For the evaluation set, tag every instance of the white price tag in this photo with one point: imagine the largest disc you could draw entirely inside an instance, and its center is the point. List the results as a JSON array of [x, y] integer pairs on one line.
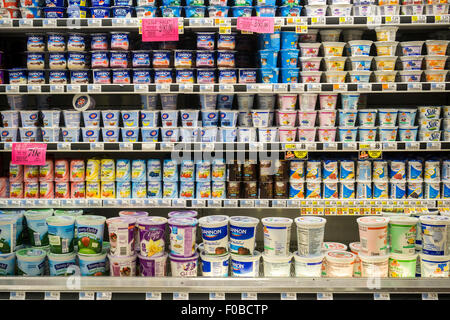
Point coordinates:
[[324, 296], [181, 203], [19, 295], [351, 146], [418, 19], [288, 296], [392, 19], [63, 146], [297, 87], [104, 295], [73, 88], [433, 145], [317, 21], [252, 88], [389, 146], [216, 296], [94, 88], [126, 146], [148, 146], [199, 203], [364, 87], [249, 296], [207, 22], [26, 23], [226, 88], [346, 20], [261, 203], [280, 87], [214, 203], [52, 295], [56, 88], [94, 22], [230, 203], [164, 203], [247, 203], [163, 87], [180, 296], [374, 20], [186, 87], [430, 296], [279, 203], [87, 295], [97, 146], [412, 145], [381, 296], [49, 23], [293, 203], [11, 88], [6, 23], [167, 146], [389, 86], [206, 88], [440, 86], [265, 88], [34, 88], [118, 22], [414, 87], [153, 296], [339, 87], [278, 21], [314, 87], [195, 22], [330, 146], [140, 88]]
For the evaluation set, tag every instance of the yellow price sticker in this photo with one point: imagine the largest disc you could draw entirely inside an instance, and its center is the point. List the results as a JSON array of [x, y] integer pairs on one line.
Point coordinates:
[[301, 154], [277, 28], [375, 154], [314, 19], [301, 29], [225, 30], [290, 146], [437, 18], [140, 30], [364, 146], [388, 19]]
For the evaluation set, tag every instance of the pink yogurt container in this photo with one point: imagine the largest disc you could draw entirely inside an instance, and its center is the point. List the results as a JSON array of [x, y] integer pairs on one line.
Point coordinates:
[[310, 76], [287, 134], [307, 134], [287, 102], [327, 118], [310, 63], [308, 101], [328, 101], [286, 118], [309, 49], [327, 134], [307, 118]]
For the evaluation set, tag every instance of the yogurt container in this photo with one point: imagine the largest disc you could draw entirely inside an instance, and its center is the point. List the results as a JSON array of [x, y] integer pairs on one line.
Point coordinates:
[[121, 236], [215, 265], [333, 49], [310, 233], [309, 49], [360, 47], [412, 48], [335, 64], [339, 263], [385, 63], [62, 264], [373, 235], [386, 33], [122, 266], [435, 62], [145, 11], [434, 231], [182, 236], [402, 234], [386, 48], [31, 262], [361, 63], [316, 10], [214, 234], [434, 266], [61, 234], [402, 266], [436, 47], [90, 234], [277, 266], [245, 265], [435, 75], [184, 266], [308, 266], [93, 264], [242, 234], [412, 62], [152, 266], [374, 266], [8, 228], [277, 234], [37, 226], [29, 118]]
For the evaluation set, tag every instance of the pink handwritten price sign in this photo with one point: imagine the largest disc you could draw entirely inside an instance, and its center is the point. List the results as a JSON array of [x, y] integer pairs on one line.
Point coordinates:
[[29, 153], [255, 24], [160, 29]]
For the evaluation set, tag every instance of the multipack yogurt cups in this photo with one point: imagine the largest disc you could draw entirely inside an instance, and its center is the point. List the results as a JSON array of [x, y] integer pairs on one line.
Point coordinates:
[[310, 50], [412, 62], [334, 64], [436, 47], [310, 63], [333, 49]]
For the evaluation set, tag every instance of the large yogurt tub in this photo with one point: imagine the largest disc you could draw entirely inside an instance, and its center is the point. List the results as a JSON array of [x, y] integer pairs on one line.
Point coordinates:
[[402, 266], [434, 232], [31, 262], [184, 266], [374, 266], [215, 265], [93, 264], [245, 265], [333, 246], [277, 236], [432, 266], [62, 264], [37, 226], [310, 234], [8, 264], [122, 266], [214, 234], [61, 232], [242, 234], [90, 233], [308, 266], [277, 266], [182, 236], [153, 266], [339, 264], [355, 247], [373, 235]]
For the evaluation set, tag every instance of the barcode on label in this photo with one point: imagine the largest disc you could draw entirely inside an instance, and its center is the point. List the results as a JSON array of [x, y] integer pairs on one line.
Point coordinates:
[[363, 243], [37, 239], [123, 251]]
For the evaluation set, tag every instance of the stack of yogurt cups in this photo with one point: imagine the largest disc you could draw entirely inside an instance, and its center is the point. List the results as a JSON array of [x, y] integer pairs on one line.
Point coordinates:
[[214, 250], [183, 254], [429, 123]]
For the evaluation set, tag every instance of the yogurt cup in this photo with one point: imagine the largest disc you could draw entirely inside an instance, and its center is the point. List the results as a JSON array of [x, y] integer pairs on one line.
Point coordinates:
[[310, 76], [286, 102], [360, 47], [90, 234], [93, 264], [214, 234], [347, 134], [308, 266], [402, 234], [10, 118], [8, 227], [386, 33], [154, 266], [435, 62], [402, 266], [277, 266], [261, 117], [310, 63], [242, 235], [208, 134], [412, 62], [387, 117], [434, 231], [436, 47], [90, 134], [169, 134], [388, 10], [287, 118], [72, 118], [316, 10], [307, 101], [268, 135], [349, 101], [215, 265], [434, 266], [385, 63], [29, 119], [61, 234], [386, 48], [340, 10], [269, 41], [218, 11], [37, 226], [385, 76], [364, 10], [326, 134], [412, 48], [310, 50], [410, 75], [335, 76], [245, 265], [327, 118], [347, 118], [31, 262], [388, 133], [184, 266], [310, 233], [336, 64], [122, 266], [307, 118], [373, 235], [277, 234], [435, 75], [339, 263], [374, 266], [182, 236], [91, 118], [333, 49], [121, 236], [50, 118], [266, 101], [70, 134], [9, 134], [361, 63], [62, 264], [332, 35]]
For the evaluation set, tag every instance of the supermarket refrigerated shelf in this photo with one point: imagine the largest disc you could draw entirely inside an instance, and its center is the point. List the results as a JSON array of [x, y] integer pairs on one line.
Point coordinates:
[[394, 87], [227, 285], [211, 23], [329, 206], [260, 147]]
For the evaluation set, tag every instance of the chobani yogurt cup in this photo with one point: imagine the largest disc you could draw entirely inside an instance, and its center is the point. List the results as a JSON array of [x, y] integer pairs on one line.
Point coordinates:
[[122, 266], [184, 266], [434, 230], [373, 235], [93, 264], [402, 265], [245, 265], [277, 235], [242, 234], [90, 234], [214, 234], [37, 226], [154, 266], [432, 266], [339, 263], [215, 265], [31, 262], [309, 266], [374, 266], [61, 231], [310, 233], [182, 236], [62, 264]]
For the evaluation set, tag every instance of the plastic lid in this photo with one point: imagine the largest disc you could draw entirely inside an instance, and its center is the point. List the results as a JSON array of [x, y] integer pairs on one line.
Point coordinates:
[[399, 256], [61, 257], [277, 259], [334, 44], [277, 221], [244, 221], [91, 220], [311, 222], [434, 220], [213, 221], [31, 252], [129, 220], [355, 247], [403, 220], [340, 256], [209, 257], [246, 258], [373, 221], [358, 42], [310, 44], [183, 221], [195, 256], [186, 213], [407, 58], [333, 246], [308, 259], [133, 213], [433, 258], [60, 220], [154, 220], [411, 43], [373, 259]]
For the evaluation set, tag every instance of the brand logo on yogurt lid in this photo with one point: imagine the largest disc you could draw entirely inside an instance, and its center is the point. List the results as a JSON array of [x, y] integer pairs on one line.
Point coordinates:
[[29, 133]]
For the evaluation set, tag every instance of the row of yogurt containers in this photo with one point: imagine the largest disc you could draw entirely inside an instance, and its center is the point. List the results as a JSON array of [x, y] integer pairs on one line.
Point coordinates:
[[189, 190], [224, 134]]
